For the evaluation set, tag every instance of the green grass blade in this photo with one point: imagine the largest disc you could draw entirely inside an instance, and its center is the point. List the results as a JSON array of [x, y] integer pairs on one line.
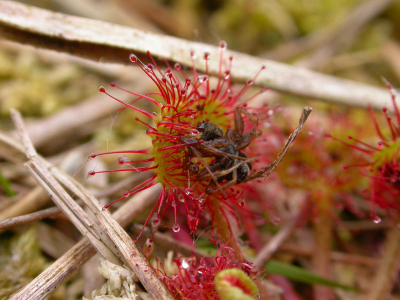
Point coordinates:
[[299, 274]]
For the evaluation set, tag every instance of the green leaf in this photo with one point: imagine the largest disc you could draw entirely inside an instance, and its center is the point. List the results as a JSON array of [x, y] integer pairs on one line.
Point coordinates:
[[5, 184], [302, 275]]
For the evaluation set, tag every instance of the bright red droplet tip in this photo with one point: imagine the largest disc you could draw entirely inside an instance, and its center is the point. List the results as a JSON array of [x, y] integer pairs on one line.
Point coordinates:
[[133, 58]]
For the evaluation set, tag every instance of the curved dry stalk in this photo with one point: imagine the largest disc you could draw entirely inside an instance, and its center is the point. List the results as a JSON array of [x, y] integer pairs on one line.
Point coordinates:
[[32, 201], [101, 41], [65, 266], [165, 241], [386, 274], [346, 32], [109, 239], [65, 121], [28, 218], [284, 233], [351, 259], [268, 170], [321, 260]]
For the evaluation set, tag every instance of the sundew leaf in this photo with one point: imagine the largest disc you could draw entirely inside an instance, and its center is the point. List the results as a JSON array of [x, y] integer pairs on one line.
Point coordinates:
[[6, 186], [302, 275]]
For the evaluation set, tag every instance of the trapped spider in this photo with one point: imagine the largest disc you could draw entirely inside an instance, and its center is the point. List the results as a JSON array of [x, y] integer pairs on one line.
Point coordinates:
[[230, 166]]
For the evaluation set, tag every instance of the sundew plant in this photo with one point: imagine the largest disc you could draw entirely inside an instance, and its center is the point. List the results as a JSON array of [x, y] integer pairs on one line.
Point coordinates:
[[200, 136], [269, 170]]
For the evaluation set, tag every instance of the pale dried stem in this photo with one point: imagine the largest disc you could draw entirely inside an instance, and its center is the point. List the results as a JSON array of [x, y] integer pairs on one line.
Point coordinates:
[[273, 245], [55, 126], [87, 38], [65, 266], [391, 53], [345, 33], [91, 276], [153, 11], [23, 206], [361, 225], [321, 260], [335, 256], [268, 170], [284, 233], [385, 276], [343, 29], [71, 209], [165, 241], [52, 241], [131, 254], [11, 150], [109, 11], [113, 243], [34, 200]]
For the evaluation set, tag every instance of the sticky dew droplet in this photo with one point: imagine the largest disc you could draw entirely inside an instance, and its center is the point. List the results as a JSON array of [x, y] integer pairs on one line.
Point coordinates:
[[276, 220], [123, 160], [185, 265], [176, 228], [203, 78], [223, 45], [376, 219], [181, 198], [156, 220], [199, 198], [227, 74], [133, 58]]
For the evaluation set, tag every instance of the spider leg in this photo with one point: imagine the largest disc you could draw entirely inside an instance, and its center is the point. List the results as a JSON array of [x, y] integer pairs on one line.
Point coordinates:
[[252, 117], [210, 189], [218, 174], [205, 165], [220, 153], [243, 140], [268, 170]]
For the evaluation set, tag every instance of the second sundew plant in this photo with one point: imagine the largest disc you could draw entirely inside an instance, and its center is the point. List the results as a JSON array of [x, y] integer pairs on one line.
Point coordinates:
[[381, 162], [225, 276], [187, 108]]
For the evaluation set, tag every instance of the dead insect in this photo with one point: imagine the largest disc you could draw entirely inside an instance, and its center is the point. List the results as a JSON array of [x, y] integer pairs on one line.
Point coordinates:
[[230, 164]]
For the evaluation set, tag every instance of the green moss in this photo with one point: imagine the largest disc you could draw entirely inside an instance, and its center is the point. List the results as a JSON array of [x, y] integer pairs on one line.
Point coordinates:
[[38, 89], [20, 262]]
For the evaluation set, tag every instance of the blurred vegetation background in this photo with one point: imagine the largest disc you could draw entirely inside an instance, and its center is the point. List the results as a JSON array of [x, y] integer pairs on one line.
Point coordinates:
[[353, 39]]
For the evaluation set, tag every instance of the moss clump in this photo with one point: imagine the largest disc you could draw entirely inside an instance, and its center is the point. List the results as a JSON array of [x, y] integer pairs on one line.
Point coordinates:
[[20, 261]]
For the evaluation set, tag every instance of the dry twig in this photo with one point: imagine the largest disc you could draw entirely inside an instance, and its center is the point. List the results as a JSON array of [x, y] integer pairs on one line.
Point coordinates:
[[116, 244], [93, 39], [28, 218], [65, 266], [269, 249], [346, 33]]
